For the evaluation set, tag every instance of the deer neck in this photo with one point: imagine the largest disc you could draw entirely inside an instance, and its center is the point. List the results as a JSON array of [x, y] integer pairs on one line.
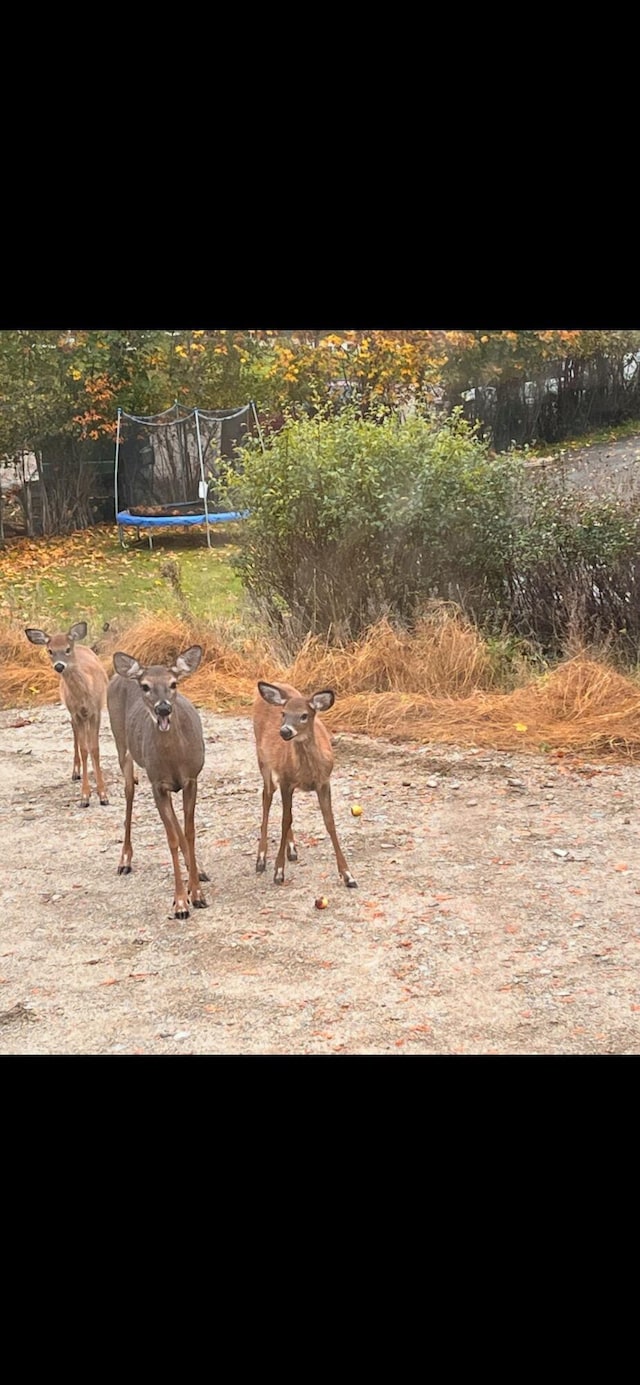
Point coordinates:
[[73, 684]]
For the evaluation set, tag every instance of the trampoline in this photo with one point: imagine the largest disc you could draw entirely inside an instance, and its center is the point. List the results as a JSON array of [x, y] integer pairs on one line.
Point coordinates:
[[167, 465]]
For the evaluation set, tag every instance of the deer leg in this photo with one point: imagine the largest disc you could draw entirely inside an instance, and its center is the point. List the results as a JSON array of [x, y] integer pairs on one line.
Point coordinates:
[[189, 793], [129, 789], [184, 847], [292, 850], [94, 749], [172, 828], [267, 798], [324, 799], [287, 802], [76, 755], [85, 794]]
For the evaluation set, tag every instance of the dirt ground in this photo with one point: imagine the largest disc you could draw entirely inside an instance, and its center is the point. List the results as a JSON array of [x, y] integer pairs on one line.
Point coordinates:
[[497, 908], [601, 469]]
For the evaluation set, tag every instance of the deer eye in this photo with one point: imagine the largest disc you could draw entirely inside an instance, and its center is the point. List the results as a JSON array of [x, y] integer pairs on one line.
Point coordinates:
[[68, 651], [173, 686], [305, 716], [145, 687]]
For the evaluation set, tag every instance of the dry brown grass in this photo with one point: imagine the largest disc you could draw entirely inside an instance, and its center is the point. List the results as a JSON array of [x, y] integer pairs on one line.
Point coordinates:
[[26, 675], [435, 685]]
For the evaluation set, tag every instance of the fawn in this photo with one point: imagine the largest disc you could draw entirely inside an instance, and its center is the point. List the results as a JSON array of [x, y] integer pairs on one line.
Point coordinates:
[[83, 690], [294, 752]]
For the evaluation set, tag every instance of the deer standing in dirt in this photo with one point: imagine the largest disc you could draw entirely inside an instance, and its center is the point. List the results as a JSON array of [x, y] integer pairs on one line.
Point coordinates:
[[159, 729], [294, 752], [83, 690]]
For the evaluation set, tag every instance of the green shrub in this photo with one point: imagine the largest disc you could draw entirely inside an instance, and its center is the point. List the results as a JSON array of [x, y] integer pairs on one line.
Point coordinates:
[[352, 519]]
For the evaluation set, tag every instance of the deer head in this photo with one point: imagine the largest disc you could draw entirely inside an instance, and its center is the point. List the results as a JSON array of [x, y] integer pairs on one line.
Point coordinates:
[[298, 713], [158, 683], [59, 647]]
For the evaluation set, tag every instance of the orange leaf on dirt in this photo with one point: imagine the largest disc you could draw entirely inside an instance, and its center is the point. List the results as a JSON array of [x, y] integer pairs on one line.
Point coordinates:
[[621, 866]]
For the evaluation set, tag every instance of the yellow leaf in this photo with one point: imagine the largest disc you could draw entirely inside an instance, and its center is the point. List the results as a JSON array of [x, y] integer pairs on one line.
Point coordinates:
[[520, 726]]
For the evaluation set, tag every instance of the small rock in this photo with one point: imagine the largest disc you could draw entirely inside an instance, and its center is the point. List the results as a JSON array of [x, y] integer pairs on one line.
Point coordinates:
[[182, 1034]]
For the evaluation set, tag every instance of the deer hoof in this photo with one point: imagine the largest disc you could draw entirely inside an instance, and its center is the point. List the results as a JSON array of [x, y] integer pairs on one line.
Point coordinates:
[[349, 881], [124, 870], [181, 913], [200, 903], [292, 853], [202, 875], [104, 801], [76, 775], [261, 865], [84, 802], [278, 878]]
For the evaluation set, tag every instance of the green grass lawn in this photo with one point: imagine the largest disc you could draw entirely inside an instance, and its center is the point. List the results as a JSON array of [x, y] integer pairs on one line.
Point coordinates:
[[88, 576]]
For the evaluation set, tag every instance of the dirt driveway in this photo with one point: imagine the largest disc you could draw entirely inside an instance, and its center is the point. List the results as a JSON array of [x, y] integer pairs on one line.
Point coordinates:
[[601, 469], [497, 909]]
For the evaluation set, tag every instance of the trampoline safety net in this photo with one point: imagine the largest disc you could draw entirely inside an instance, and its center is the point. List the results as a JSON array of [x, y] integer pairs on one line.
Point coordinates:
[[167, 465]]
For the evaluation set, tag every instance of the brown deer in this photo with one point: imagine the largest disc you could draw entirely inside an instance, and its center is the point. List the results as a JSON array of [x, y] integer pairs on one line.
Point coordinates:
[[83, 690], [159, 729], [294, 752]]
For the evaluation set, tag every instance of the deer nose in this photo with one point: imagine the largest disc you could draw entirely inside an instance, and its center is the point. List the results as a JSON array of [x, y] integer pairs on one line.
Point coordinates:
[[59, 667], [287, 733], [163, 709]]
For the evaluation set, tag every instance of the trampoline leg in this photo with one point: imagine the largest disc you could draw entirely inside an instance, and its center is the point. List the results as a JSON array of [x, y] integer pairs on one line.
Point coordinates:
[[150, 540], [120, 536]]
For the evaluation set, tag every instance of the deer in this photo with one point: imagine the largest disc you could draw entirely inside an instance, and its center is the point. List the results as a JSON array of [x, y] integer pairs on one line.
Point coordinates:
[[158, 729], [294, 752], [83, 691]]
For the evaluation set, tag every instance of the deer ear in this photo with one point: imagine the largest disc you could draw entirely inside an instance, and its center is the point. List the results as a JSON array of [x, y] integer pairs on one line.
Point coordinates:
[[126, 665], [322, 701], [37, 636], [188, 662], [78, 631], [272, 694]]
